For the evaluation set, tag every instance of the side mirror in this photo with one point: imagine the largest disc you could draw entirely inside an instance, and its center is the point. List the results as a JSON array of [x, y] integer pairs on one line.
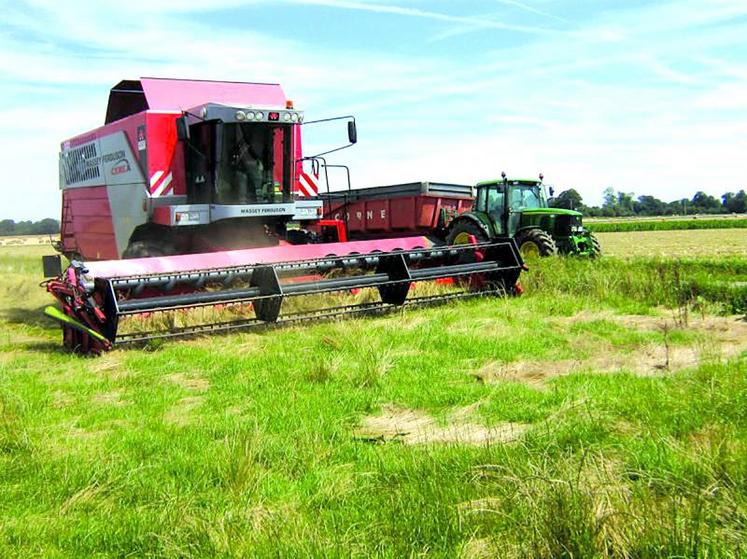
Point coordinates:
[[552, 191], [182, 129], [352, 132]]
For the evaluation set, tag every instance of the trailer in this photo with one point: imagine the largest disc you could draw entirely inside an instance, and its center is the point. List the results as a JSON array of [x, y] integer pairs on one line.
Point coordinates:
[[416, 208]]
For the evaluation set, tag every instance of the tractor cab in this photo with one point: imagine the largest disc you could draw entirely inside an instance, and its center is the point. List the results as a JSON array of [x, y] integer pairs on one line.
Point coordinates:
[[506, 201]]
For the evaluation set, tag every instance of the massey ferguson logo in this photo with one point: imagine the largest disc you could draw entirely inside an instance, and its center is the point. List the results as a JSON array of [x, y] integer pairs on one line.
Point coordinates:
[[121, 166]]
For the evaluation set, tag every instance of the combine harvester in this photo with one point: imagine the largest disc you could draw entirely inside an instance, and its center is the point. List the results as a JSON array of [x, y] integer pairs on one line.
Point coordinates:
[[194, 195]]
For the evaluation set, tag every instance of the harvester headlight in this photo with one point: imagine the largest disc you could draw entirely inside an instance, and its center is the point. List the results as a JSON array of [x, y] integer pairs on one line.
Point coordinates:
[[286, 117], [240, 115], [249, 115], [259, 116], [294, 117]]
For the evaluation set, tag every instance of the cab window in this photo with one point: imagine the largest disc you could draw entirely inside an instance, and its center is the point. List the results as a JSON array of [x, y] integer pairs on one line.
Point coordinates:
[[495, 203], [525, 197]]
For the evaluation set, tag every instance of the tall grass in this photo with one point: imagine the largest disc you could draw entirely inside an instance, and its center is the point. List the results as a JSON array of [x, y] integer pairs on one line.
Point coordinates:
[[650, 281], [246, 445]]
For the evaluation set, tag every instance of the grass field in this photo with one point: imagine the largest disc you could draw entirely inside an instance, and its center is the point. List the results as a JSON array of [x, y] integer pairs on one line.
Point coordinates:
[[602, 414], [676, 243]]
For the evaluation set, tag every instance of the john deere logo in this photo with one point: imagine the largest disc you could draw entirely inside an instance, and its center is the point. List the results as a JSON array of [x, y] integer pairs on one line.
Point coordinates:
[[121, 166]]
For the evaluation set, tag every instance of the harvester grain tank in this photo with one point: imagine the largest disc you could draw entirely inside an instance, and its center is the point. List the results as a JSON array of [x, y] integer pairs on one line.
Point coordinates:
[[193, 195]]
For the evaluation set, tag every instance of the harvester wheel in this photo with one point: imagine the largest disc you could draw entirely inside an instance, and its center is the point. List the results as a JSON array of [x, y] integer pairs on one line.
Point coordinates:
[[144, 249], [534, 243], [461, 232], [596, 248]]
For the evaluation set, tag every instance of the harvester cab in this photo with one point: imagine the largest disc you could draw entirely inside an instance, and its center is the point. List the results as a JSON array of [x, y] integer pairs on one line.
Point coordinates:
[[185, 166], [518, 208], [240, 165]]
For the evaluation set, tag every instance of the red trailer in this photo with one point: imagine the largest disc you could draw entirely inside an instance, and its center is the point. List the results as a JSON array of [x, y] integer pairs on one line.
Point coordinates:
[[418, 208]]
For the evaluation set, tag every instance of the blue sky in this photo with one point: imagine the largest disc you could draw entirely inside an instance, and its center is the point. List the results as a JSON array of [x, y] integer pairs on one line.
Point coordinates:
[[646, 97]]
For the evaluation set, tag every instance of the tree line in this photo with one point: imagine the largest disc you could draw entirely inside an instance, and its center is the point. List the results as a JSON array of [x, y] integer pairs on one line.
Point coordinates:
[[46, 226], [625, 204], [615, 204]]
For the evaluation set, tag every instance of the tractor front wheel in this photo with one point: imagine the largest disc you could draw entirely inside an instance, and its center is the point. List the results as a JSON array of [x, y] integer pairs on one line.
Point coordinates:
[[534, 243], [596, 248]]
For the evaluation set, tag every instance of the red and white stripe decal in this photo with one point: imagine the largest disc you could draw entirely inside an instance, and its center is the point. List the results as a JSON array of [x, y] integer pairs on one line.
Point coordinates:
[[308, 185], [160, 184]]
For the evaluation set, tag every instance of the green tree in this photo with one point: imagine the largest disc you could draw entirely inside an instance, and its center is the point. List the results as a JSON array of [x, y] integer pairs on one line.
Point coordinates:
[[649, 205], [569, 199], [7, 227], [609, 197], [44, 227], [625, 203], [735, 203], [705, 203]]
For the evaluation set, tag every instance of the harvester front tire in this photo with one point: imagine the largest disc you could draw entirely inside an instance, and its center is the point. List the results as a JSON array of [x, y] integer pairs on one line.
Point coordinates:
[[461, 232], [144, 249], [536, 242]]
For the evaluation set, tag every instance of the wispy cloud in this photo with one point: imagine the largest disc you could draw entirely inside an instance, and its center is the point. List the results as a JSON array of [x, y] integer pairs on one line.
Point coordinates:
[[426, 14], [530, 9]]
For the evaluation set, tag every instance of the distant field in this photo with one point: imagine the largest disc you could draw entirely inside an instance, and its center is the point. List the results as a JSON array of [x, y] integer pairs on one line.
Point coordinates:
[[675, 244], [693, 217], [26, 240], [667, 224]]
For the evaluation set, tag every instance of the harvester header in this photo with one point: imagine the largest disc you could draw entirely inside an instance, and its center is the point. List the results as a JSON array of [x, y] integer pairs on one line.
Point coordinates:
[[103, 306]]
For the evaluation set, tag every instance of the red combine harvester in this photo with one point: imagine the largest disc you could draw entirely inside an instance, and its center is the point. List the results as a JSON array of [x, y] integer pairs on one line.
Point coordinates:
[[194, 194]]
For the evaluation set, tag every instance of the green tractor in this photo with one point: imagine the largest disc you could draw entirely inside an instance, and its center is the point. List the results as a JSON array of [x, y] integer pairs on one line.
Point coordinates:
[[518, 208]]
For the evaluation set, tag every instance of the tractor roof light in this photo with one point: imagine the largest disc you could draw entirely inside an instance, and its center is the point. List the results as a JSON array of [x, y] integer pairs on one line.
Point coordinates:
[[295, 117], [241, 115], [287, 117], [250, 115], [259, 115]]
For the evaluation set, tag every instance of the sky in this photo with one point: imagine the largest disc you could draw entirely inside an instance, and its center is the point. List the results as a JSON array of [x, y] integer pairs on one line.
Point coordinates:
[[647, 97]]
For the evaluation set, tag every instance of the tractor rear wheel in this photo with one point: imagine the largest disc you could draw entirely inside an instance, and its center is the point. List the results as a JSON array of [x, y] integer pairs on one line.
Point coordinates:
[[462, 231], [534, 243]]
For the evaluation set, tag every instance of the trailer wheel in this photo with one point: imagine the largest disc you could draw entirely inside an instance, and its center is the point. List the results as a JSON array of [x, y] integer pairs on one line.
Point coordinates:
[[534, 243], [461, 232]]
